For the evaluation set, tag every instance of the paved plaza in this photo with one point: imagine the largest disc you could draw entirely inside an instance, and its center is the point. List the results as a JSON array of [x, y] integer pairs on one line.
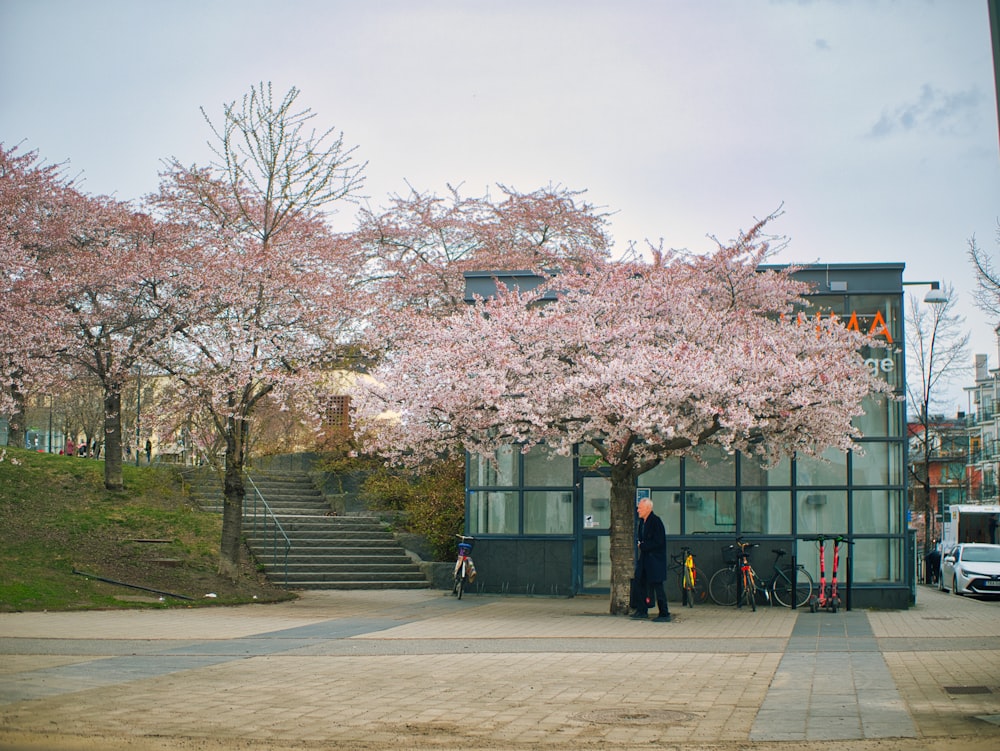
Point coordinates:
[[421, 670]]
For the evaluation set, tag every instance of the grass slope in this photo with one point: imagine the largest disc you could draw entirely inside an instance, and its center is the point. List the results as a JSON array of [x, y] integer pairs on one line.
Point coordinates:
[[56, 518]]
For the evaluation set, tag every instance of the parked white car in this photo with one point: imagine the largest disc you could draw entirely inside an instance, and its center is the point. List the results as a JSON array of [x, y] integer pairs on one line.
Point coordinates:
[[971, 568]]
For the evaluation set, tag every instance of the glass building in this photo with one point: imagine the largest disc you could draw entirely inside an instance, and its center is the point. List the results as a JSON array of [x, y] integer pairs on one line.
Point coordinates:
[[542, 523]]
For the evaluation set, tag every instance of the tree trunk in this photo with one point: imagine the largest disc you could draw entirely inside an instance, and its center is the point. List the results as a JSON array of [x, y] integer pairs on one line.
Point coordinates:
[[16, 433], [113, 440], [233, 492], [928, 520], [929, 516], [622, 536]]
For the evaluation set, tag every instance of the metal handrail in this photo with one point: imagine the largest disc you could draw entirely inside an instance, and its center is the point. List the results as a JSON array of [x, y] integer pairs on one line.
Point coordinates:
[[277, 530]]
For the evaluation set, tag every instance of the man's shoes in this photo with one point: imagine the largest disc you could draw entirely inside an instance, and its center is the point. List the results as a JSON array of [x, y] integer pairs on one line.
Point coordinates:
[[663, 618], [640, 615]]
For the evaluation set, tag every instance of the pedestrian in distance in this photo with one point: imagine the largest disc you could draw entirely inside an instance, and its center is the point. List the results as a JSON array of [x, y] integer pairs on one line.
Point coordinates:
[[651, 564], [932, 564]]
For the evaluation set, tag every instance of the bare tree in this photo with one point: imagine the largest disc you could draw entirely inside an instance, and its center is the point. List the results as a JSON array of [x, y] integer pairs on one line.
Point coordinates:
[[279, 285], [987, 292], [937, 346]]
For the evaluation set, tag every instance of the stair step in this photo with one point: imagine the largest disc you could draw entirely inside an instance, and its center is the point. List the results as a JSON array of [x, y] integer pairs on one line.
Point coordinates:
[[296, 514], [336, 555], [354, 568], [397, 562], [265, 542], [296, 584], [317, 534], [317, 577]]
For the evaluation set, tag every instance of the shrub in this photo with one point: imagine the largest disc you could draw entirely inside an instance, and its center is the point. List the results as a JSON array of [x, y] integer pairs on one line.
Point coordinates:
[[430, 503]]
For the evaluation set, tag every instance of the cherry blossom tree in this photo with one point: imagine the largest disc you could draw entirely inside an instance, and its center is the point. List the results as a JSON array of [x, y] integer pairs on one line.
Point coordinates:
[[92, 286], [120, 283], [424, 242], [30, 209], [640, 361], [280, 290]]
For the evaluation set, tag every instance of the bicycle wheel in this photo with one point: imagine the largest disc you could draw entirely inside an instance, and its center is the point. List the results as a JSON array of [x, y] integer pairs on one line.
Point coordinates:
[[781, 587], [750, 591], [687, 583], [694, 592], [722, 587], [460, 581], [700, 586]]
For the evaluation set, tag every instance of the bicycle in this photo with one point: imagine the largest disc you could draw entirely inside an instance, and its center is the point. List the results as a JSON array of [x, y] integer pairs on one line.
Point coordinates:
[[779, 584], [736, 583], [465, 570], [725, 585], [689, 578]]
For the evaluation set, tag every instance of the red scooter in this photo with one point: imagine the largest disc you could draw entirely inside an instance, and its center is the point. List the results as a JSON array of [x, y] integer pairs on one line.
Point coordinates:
[[827, 598]]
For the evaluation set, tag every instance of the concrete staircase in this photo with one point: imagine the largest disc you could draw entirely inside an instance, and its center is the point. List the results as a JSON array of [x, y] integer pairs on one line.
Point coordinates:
[[326, 551]]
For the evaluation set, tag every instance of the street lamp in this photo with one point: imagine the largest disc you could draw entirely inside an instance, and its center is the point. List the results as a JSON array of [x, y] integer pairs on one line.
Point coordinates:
[[935, 296]]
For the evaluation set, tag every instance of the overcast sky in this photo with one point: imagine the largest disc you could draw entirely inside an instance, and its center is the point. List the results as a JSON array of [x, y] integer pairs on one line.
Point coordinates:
[[873, 123]]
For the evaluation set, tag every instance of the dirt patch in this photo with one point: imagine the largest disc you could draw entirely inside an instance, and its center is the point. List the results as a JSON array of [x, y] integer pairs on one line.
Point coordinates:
[[633, 716]]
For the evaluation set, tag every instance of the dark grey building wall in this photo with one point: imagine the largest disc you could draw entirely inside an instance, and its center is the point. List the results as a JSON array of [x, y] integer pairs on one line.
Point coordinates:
[[523, 566]]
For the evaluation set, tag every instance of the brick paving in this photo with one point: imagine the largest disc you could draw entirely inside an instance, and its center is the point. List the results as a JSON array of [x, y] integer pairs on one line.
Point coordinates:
[[418, 669]]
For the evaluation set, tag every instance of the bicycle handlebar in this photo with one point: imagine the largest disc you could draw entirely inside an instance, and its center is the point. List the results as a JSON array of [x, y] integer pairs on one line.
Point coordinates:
[[836, 538]]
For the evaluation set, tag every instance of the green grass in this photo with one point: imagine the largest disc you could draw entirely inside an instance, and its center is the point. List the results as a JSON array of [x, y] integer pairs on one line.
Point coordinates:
[[57, 520]]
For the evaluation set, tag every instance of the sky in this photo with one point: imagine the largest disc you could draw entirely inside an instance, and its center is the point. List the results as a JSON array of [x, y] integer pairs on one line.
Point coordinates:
[[871, 124]]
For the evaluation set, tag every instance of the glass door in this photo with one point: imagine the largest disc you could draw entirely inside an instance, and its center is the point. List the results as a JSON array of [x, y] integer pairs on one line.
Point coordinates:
[[595, 542]]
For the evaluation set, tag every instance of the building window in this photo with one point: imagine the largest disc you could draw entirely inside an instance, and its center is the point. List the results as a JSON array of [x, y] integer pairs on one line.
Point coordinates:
[[767, 512], [500, 470], [877, 512], [881, 464], [830, 469], [668, 507], [494, 512], [875, 561], [513, 493], [821, 512], [753, 474], [596, 503], [709, 511], [719, 468], [548, 512], [546, 469], [665, 474]]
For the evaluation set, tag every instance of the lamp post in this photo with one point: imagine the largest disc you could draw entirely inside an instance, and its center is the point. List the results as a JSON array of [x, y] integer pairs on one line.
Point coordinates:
[[938, 298]]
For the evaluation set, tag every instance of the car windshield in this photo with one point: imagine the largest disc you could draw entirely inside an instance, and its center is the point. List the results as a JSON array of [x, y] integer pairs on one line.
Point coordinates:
[[982, 555]]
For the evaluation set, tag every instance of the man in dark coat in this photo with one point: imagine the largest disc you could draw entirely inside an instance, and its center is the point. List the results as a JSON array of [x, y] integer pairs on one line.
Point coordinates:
[[651, 566]]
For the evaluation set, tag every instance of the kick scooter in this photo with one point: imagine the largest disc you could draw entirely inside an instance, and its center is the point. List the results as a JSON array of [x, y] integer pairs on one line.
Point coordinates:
[[828, 599]]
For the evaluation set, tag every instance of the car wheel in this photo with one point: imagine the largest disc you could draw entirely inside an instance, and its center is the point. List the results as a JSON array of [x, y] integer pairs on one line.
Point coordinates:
[[954, 585]]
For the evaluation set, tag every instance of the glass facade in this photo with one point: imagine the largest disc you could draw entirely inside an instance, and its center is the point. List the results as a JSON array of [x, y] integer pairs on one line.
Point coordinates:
[[707, 503]]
